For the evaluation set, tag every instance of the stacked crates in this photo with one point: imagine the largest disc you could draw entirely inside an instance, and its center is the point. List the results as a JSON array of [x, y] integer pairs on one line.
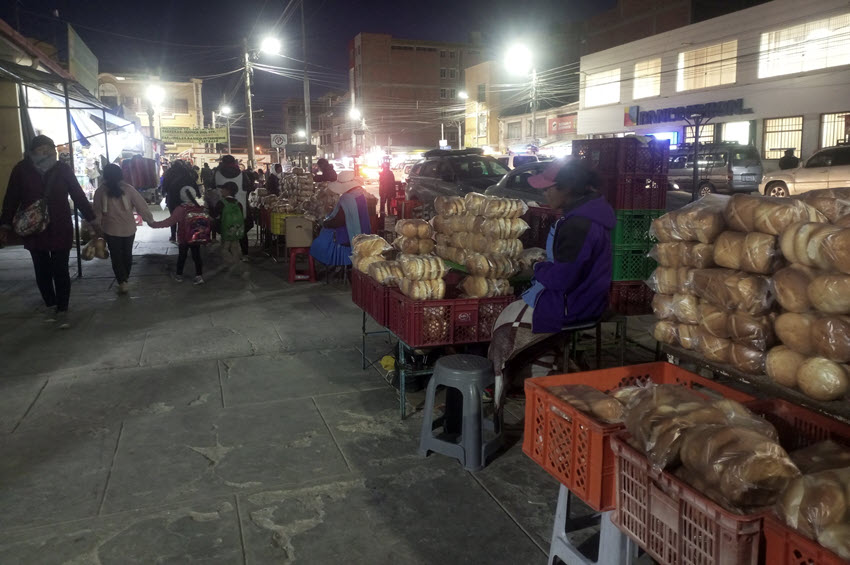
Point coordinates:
[[634, 181]]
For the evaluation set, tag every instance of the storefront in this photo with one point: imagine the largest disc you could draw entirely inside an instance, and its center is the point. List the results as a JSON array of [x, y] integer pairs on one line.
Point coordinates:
[[552, 133], [764, 76]]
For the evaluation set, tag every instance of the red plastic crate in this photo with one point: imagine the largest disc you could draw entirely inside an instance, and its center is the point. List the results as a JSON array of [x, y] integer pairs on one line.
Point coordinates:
[[371, 296], [784, 546], [630, 298], [634, 192], [573, 446], [674, 523], [626, 155], [427, 323]]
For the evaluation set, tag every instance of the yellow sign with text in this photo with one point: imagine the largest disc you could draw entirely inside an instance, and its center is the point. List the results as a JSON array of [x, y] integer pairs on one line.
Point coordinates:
[[194, 135]]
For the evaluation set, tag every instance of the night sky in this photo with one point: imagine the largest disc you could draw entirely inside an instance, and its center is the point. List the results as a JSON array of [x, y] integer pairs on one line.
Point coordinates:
[[180, 38]]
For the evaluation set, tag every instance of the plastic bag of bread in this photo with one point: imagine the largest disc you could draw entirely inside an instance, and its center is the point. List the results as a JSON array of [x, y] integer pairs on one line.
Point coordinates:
[[369, 245], [434, 289], [746, 359], [501, 228], [781, 365], [699, 482], [751, 252], [475, 203], [449, 205], [822, 379], [414, 245], [747, 213], [731, 289], [452, 224], [701, 220], [816, 501], [683, 254], [749, 468], [804, 243], [362, 263], [480, 243], [688, 336], [590, 401], [830, 293], [662, 307], [836, 538], [480, 287], [728, 249], [686, 308], [821, 456], [490, 266], [669, 280], [831, 338], [666, 331], [87, 253], [503, 208], [100, 249], [795, 331], [388, 273], [530, 256], [790, 287], [414, 229], [833, 203], [843, 222], [714, 348], [714, 320], [442, 239], [422, 267], [755, 332], [836, 250]]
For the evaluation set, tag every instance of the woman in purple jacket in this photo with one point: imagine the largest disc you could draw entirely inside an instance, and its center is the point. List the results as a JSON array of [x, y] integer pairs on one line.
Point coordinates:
[[41, 175], [570, 287]]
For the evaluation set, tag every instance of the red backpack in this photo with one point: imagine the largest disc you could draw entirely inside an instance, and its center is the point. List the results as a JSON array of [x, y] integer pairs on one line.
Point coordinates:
[[199, 225]]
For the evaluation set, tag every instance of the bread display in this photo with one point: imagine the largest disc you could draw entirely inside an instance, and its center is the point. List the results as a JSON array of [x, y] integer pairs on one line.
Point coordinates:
[[434, 289], [414, 246], [781, 365], [822, 379], [414, 229], [480, 287], [449, 205], [831, 338], [750, 213], [590, 401], [387, 273], [790, 287], [746, 359], [714, 320], [422, 267], [365, 245], [490, 266], [731, 289], [795, 331], [662, 307], [699, 221], [830, 293], [754, 332], [684, 254]]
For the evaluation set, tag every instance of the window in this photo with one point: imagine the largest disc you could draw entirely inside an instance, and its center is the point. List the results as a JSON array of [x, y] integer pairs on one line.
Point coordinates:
[[647, 78], [781, 134], [739, 132], [706, 134], [832, 128], [442, 73], [482, 125], [452, 54], [602, 88], [442, 54], [475, 167], [451, 136], [176, 106], [111, 101], [452, 73], [514, 130], [805, 47], [524, 160], [482, 93], [443, 93], [540, 127], [528, 128], [706, 67], [429, 169], [821, 159], [452, 93]]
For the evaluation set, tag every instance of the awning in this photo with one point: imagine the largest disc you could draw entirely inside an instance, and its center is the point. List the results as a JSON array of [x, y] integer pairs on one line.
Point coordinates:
[[78, 96]]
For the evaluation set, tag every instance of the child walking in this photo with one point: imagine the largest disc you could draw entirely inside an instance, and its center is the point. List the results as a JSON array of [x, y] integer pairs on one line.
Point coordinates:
[[193, 230], [230, 223]]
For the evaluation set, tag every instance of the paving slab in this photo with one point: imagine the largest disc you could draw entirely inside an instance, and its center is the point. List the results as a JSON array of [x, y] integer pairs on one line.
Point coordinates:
[[17, 395]]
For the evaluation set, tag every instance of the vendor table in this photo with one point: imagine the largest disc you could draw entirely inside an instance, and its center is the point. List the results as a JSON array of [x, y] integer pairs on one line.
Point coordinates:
[[759, 385]]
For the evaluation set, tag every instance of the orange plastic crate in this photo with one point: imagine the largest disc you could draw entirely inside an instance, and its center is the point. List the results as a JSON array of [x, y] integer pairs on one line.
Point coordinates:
[[784, 546], [573, 446], [371, 296]]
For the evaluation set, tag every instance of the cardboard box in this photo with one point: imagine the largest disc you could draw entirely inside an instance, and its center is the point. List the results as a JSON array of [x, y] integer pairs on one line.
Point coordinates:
[[299, 232]]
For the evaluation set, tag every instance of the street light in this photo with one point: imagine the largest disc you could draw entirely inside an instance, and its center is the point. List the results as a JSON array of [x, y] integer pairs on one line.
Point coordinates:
[[354, 114], [519, 61], [155, 95], [225, 111], [270, 45], [302, 133], [462, 95]]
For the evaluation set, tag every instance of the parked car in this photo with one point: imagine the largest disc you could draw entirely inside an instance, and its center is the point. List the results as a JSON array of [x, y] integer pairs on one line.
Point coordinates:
[[723, 167], [515, 183], [452, 173], [828, 168], [514, 161]]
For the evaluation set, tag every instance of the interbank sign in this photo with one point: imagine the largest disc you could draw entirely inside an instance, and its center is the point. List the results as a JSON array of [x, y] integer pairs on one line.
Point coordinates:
[[634, 117]]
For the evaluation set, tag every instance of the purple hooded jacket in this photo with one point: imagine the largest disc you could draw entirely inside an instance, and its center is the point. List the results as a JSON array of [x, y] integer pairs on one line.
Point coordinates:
[[577, 291]]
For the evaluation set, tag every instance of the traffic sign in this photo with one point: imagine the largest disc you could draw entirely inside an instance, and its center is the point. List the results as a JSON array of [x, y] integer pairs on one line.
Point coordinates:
[[278, 140]]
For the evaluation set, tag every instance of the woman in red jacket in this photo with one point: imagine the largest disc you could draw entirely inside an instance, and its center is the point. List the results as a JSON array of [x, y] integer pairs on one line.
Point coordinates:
[[41, 175]]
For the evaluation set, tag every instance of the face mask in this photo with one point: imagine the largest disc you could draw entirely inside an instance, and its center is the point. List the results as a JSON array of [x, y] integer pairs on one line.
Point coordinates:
[[44, 162]]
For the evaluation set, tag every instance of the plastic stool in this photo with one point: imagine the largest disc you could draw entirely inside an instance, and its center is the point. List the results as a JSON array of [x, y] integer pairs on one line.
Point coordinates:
[[296, 275], [465, 377], [615, 547]]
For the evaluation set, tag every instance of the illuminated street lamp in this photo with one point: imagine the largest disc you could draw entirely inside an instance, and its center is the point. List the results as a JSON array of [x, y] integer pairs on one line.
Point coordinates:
[[519, 60], [155, 95], [354, 114], [270, 45], [302, 134], [462, 95], [225, 111]]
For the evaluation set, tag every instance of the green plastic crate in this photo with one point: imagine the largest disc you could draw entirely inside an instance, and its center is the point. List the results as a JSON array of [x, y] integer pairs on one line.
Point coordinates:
[[632, 228], [632, 264]]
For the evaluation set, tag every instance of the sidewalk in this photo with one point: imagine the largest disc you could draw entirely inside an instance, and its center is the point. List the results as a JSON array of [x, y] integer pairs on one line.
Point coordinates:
[[230, 423]]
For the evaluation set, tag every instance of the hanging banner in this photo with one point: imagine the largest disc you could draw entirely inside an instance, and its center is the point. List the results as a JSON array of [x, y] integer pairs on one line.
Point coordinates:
[[194, 135]]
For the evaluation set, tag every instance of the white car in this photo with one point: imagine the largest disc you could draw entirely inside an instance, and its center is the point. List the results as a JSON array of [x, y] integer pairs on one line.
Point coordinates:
[[828, 168]]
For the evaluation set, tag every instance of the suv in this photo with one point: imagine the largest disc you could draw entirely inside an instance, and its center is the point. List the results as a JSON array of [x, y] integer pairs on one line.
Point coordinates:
[[452, 173], [723, 167], [515, 183], [828, 168], [514, 161]]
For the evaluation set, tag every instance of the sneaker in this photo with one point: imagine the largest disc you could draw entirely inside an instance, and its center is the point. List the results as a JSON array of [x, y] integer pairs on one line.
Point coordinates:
[[198, 280], [245, 259], [47, 313], [124, 288], [178, 278], [62, 319]]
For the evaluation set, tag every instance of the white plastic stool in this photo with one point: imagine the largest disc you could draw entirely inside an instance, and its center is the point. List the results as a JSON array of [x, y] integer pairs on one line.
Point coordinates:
[[615, 547]]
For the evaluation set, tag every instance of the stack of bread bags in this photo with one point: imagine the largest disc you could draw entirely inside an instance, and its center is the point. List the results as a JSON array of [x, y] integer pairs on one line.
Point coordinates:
[[685, 242], [814, 293], [368, 249]]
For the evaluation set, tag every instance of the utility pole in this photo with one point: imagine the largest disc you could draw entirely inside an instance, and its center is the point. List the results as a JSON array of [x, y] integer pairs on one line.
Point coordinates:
[[150, 126], [697, 120], [229, 152], [442, 131], [459, 134], [249, 105], [534, 106], [307, 117]]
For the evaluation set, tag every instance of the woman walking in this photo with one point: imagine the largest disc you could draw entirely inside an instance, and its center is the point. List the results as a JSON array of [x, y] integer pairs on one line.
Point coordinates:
[[114, 202], [40, 176]]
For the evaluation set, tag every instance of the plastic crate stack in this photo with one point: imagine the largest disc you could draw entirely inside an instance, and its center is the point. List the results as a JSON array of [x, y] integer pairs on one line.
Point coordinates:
[[634, 181]]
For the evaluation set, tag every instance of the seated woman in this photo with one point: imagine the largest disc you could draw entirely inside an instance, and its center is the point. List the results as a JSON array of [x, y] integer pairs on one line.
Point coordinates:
[[569, 288], [349, 218]]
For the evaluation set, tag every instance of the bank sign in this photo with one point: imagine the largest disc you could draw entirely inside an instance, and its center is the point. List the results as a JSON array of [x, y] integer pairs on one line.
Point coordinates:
[[634, 117]]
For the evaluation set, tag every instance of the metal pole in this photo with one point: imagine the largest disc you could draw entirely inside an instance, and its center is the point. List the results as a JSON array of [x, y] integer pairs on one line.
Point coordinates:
[[150, 127], [459, 134], [442, 132], [307, 117], [250, 107], [71, 156], [694, 186], [534, 106], [105, 137], [229, 152]]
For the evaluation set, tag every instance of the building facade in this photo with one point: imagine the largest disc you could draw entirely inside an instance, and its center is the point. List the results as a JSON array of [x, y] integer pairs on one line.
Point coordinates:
[[772, 76], [483, 104], [406, 89], [553, 134]]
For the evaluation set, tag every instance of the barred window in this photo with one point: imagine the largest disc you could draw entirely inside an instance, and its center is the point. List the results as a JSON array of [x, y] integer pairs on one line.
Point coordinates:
[[706, 67], [781, 134], [832, 128], [706, 134]]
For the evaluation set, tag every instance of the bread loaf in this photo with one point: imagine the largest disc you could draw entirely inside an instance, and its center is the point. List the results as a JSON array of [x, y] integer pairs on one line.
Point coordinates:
[[503, 208], [831, 338], [759, 254], [740, 213], [662, 307], [362, 263], [480, 287], [414, 245], [790, 287], [836, 250], [366, 245], [795, 331], [773, 215], [591, 401], [836, 538], [490, 266], [830, 293], [817, 254], [422, 267], [475, 203], [731, 289], [414, 229], [755, 332], [667, 280], [688, 335], [686, 308], [746, 360], [714, 348], [698, 221], [782, 364], [822, 379], [700, 255], [434, 289], [666, 332], [449, 205], [728, 249], [794, 241], [833, 203], [387, 273], [714, 320]]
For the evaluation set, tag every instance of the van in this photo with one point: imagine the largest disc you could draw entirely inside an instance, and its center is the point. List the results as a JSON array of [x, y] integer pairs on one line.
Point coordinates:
[[723, 167]]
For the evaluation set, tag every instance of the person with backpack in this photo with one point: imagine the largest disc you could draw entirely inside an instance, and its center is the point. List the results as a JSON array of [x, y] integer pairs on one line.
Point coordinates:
[[175, 178], [230, 219], [228, 171], [193, 230]]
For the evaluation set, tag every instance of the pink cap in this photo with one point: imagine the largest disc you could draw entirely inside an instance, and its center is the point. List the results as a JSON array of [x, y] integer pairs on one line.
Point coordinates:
[[546, 179]]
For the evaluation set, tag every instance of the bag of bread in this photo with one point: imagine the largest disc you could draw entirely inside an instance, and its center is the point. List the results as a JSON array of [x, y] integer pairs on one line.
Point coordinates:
[[830, 294], [388, 273], [833, 203], [790, 287], [686, 308], [449, 205], [662, 307], [480, 287], [701, 220], [362, 263], [747, 213], [668, 280], [781, 365], [714, 320], [414, 245], [836, 538], [434, 289], [501, 228], [714, 348], [731, 289], [422, 267], [831, 338], [369, 245], [746, 359], [815, 501], [688, 336], [414, 229], [760, 254], [529, 257], [755, 332], [821, 456], [475, 203], [822, 379], [490, 266], [480, 243], [836, 250], [683, 254], [666, 331], [804, 243], [728, 249], [503, 208], [443, 239], [88, 251], [590, 401], [795, 331]]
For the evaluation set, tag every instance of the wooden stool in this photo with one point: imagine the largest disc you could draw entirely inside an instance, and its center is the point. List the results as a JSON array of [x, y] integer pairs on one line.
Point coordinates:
[[296, 275]]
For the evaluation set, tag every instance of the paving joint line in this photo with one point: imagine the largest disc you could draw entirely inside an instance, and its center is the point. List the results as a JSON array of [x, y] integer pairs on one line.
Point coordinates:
[[109, 474], [333, 437], [239, 526], [29, 408], [545, 551]]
